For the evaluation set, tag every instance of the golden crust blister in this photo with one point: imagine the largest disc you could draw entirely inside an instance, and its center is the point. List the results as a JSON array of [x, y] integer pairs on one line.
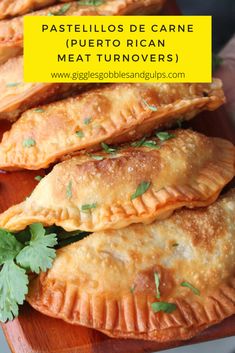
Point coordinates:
[[112, 114], [189, 169], [106, 281], [11, 31]]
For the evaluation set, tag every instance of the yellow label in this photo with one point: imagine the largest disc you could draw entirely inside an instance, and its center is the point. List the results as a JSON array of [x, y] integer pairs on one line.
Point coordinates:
[[117, 48]]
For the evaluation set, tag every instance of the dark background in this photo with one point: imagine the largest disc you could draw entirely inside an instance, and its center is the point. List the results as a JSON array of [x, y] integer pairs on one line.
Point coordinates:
[[223, 12]]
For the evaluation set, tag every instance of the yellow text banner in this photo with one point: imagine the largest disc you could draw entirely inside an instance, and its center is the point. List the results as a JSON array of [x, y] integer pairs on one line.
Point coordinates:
[[117, 49]]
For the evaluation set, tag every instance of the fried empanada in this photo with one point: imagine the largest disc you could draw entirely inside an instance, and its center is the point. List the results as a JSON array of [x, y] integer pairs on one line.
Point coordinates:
[[17, 96], [112, 114], [113, 189], [11, 31], [164, 281]]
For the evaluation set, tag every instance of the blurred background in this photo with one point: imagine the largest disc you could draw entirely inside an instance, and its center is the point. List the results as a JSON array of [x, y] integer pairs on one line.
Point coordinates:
[[223, 12]]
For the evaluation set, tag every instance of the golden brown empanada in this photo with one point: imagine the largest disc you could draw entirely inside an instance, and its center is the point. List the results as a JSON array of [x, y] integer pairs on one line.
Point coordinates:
[[110, 280], [130, 185], [17, 96], [115, 113], [11, 31]]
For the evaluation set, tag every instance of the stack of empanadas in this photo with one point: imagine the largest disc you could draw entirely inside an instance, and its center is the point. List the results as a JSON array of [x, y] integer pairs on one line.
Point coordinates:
[[160, 262]]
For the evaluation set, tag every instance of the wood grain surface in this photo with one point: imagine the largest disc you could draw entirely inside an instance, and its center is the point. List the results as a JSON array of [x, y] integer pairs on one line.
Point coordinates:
[[33, 332]]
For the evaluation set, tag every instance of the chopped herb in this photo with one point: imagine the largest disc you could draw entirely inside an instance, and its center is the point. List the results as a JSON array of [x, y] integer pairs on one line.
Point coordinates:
[[29, 142], [108, 149], [157, 284], [216, 61], [150, 144], [141, 189], [80, 134], [190, 286], [87, 121], [90, 2], [88, 207], [150, 107], [163, 306], [39, 110], [138, 143], [13, 84], [38, 177], [163, 136], [61, 11], [175, 244], [179, 123], [132, 289], [69, 190], [97, 158]]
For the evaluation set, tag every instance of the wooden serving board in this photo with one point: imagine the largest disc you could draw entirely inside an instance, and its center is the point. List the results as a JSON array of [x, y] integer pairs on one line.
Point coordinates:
[[33, 332]]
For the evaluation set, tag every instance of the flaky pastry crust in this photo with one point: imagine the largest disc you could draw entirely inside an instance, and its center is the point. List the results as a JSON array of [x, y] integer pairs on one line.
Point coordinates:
[[189, 169], [106, 281], [111, 114]]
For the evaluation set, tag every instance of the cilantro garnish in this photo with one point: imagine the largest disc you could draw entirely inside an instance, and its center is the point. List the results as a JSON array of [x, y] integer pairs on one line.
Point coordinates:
[[33, 253], [145, 143], [157, 284], [61, 11], [38, 253], [96, 157], [164, 136], [190, 286], [87, 121], [13, 84], [69, 193], [141, 189], [38, 177], [90, 2], [87, 207], [153, 108], [39, 110], [108, 149], [29, 142], [163, 306], [80, 134]]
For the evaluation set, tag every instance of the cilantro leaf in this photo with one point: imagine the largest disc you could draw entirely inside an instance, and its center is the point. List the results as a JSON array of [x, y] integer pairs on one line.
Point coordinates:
[[9, 246], [38, 177], [29, 142], [163, 306], [138, 143], [157, 284], [69, 192], [90, 2], [96, 157], [108, 149], [88, 207], [141, 189], [38, 255], [80, 133], [164, 136], [39, 110], [87, 121], [13, 84], [190, 286], [153, 108], [13, 289]]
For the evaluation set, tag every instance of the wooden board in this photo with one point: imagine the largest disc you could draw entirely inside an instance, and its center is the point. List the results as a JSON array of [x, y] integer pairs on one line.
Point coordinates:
[[33, 332]]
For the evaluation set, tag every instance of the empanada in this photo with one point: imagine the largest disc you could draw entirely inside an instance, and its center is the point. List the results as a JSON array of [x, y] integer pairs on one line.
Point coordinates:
[[115, 281], [113, 189], [11, 31], [115, 113], [17, 96]]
